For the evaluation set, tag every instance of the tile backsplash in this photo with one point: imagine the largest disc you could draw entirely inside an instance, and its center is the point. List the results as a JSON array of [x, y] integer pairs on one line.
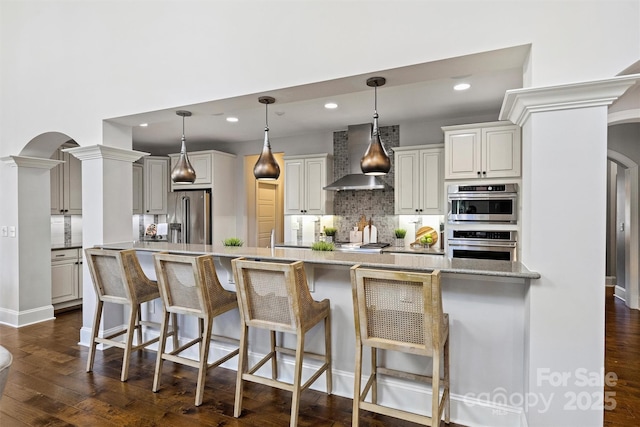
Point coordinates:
[[377, 205], [66, 229]]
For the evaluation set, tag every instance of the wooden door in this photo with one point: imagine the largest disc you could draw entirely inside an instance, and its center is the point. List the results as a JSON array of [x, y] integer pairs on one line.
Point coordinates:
[[266, 198]]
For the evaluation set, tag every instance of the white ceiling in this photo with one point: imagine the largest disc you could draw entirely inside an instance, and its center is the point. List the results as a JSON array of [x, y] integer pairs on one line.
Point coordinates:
[[418, 92]]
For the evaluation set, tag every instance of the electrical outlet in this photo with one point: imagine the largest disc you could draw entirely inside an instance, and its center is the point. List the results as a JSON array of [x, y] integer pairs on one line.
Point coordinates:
[[5, 231]]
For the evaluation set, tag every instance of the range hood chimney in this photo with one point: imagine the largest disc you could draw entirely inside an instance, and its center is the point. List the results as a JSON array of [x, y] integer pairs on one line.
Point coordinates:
[[358, 137]]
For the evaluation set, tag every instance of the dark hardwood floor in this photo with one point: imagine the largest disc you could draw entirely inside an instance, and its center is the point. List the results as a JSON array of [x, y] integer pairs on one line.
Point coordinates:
[[622, 357], [48, 385]]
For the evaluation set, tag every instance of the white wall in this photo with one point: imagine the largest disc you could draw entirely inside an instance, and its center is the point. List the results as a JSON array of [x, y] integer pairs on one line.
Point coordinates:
[[88, 61]]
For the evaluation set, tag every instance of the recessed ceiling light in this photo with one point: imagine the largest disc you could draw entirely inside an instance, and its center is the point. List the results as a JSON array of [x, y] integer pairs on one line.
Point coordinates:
[[144, 125], [462, 86], [330, 105], [232, 119]]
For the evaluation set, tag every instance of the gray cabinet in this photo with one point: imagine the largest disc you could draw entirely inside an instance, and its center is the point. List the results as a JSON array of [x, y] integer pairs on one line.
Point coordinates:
[[155, 184], [66, 277], [138, 192], [66, 185]]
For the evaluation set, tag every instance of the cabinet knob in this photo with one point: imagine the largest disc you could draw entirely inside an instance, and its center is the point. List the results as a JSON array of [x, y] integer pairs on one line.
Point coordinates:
[[478, 173], [484, 172]]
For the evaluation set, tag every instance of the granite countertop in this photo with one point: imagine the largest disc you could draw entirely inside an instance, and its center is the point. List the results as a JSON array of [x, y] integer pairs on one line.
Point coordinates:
[[388, 249], [60, 246], [385, 260]]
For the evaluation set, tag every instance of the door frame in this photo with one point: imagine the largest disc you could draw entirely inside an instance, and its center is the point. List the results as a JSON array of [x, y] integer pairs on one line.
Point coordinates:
[[632, 253]]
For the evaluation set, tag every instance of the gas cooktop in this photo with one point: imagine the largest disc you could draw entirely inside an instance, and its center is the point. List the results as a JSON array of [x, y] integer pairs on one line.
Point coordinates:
[[361, 247]]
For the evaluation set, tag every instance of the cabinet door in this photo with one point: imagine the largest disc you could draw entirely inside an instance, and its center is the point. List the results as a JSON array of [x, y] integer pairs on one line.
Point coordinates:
[[315, 176], [64, 276], [202, 164], [56, 186], [407, 188], [72, 184], [431, 182], [462, 154], [501, 152], [293, 186], [155, 185], [138, 201]]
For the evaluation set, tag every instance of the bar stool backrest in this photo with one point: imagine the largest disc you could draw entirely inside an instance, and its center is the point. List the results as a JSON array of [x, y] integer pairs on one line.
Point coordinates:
[[272, 295], [188, 284], [117, 275], [398, 310]]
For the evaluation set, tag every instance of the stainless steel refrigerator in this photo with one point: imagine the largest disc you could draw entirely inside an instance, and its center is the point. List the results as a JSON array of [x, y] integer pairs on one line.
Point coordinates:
[[189, 217]]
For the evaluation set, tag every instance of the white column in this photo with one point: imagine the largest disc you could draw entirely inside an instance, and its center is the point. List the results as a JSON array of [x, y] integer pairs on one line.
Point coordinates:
[[106, 216], [25, 241], [563, 200]]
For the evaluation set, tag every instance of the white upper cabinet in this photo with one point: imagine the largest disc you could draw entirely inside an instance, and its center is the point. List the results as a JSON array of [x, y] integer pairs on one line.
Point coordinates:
[[138, 192], [419, 180], [66, 184], [155, 184], [202, 163], [484, 150], [304, 179]]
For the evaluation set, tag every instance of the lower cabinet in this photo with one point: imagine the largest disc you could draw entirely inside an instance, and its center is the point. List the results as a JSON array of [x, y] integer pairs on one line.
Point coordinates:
[[66, 278]]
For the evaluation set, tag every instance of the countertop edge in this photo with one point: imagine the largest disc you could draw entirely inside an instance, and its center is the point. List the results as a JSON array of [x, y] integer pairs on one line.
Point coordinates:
[[402, 261]]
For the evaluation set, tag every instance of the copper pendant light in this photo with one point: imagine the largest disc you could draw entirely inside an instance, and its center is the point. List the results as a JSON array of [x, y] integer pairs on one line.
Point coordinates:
[[376, 161], [183, 171], [266, 168]]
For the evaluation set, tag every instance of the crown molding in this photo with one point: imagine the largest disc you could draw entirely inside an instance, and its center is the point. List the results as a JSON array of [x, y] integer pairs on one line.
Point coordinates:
[[99, 151], [31, 162], [519, 104]]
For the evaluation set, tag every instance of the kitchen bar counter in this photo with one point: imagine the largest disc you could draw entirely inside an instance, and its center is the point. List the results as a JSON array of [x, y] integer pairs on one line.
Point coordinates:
[[405, 261], [485, 300]]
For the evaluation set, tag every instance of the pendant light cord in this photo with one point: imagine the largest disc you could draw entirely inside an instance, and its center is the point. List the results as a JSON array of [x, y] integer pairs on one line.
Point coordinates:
[[266, 116]]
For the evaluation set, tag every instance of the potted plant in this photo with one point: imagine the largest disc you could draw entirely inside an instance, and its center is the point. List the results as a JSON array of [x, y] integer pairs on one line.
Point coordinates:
[[322, 246], [330, 233], [232, 241], [400, 233]]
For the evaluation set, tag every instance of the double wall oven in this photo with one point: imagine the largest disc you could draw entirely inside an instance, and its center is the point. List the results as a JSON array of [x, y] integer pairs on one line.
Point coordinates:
[[482, 221]]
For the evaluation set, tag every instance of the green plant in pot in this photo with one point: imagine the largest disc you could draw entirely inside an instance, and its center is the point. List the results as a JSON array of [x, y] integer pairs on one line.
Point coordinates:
[[322, 246], [232, 241], [400, 233], [330, 232]]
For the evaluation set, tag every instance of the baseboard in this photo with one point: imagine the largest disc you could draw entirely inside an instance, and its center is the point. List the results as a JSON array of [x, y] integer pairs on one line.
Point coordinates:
[[620, 293], [18, 319]]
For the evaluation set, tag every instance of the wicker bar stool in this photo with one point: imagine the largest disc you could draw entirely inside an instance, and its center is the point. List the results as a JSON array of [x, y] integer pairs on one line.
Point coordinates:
[[189, 286], [276, 297], [400, 311], [118, 278]]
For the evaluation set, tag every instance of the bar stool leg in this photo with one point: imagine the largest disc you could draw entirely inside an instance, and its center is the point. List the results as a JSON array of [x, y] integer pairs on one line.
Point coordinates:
[[327, 350], [174, 328], [204, 356], [374, 372], [242, 368], [94, 335], [435, 382], [357, 380], [447, 405], [135, 308], [297, 380], [162, 343], [274, 355]]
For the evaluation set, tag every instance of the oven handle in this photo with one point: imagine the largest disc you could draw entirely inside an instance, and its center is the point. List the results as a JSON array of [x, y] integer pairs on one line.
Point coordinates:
[[483, 196], [485, 243]]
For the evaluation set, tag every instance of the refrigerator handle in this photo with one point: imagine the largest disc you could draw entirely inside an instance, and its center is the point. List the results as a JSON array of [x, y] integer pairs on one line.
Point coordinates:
[[208, 239], [186, 219]]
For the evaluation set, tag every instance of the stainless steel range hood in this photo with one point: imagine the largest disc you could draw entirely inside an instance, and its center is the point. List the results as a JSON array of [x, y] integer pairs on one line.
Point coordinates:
[[358, 137]]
